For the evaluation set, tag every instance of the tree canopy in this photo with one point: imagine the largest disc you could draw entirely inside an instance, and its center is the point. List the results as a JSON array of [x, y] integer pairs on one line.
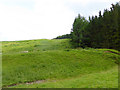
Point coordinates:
[[101, 31]]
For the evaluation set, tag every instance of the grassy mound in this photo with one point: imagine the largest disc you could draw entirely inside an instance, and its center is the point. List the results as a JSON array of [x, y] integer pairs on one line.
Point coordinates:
[[56, 60]]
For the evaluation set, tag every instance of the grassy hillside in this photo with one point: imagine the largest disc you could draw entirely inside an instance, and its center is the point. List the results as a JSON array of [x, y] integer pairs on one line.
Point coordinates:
[[34, 45], [58, 65]]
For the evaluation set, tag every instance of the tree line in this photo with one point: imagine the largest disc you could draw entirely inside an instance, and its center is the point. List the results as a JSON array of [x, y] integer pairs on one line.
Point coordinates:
[[66, 36], [101, 31]]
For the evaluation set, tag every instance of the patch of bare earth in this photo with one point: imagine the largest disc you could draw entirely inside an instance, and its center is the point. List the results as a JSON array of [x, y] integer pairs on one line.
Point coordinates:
[[111, 52], [28, 83], [39, 81]]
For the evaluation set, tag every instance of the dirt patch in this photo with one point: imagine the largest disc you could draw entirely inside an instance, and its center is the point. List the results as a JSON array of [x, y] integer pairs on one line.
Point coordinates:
[[107, 52], [111, 52], [39, 81], [24, 51], [28, 83]]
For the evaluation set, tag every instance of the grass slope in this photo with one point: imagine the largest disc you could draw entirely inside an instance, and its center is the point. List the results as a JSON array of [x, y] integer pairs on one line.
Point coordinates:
[[34, 45], [95, 80], [56, 60]]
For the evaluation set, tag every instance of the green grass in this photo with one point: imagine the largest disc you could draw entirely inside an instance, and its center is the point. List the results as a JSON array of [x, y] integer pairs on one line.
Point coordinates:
[[105, 79], [34, 45], [56, 60]]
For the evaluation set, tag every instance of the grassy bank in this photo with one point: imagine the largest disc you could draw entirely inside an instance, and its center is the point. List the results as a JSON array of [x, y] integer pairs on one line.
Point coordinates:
[[56, 60]]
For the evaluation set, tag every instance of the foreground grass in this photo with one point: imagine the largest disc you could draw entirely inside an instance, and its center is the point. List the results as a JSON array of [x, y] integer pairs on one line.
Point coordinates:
[[105, 79], [55, 60]]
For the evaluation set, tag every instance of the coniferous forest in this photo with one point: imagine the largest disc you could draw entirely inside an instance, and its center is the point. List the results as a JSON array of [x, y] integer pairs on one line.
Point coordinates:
[[101, 31]]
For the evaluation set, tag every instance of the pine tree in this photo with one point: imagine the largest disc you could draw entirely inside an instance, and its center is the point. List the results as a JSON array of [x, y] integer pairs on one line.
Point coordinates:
[[78, 29]]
